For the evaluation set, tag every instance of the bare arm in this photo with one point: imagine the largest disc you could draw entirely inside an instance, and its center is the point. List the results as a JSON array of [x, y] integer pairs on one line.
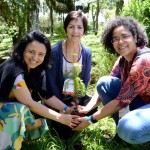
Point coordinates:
[[55, 103], [23, 95], [105, 111], [95, 101]]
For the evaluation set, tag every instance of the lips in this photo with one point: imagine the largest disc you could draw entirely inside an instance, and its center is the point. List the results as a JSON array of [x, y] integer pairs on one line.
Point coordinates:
[[122, 47], [75, 36], [33, 62]]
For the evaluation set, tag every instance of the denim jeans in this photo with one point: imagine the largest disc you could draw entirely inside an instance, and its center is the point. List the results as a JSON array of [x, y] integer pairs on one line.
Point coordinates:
[[134, 127]]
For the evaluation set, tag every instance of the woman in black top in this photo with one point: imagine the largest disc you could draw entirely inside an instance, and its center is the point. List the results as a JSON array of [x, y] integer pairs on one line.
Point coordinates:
[[22, 86]]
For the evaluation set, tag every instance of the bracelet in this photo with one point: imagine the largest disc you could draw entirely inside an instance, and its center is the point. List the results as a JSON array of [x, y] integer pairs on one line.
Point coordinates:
[[65, 108], [91, 119]]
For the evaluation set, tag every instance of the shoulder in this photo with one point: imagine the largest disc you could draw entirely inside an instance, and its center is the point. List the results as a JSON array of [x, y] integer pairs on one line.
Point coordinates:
[[142, 62], [14, 68], [143, 54], [144, 50], [9, 70], [57, 46], [86, 50], [19, 82]]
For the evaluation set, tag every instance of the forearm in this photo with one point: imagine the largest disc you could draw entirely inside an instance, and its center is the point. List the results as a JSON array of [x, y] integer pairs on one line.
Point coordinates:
[[107, 110], [44, 111], [93, 102], [55, 103], [34, 106]]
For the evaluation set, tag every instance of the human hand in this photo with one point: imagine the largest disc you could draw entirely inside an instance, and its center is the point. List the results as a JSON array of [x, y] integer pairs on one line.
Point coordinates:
[[70, 110], [83, 123], [83, 109], [37, 124], [69, 120]]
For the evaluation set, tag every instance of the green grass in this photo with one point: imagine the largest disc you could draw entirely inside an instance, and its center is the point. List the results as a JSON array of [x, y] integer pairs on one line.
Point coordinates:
[[96, 136]]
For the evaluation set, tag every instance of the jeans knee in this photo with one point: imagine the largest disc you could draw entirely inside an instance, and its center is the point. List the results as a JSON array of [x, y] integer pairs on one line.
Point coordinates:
[[101, 83], [129, 132]]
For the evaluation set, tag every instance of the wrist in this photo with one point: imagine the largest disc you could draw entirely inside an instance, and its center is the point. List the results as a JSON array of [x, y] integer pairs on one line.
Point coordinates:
[[68, 111], [91, 120], [65, 108]]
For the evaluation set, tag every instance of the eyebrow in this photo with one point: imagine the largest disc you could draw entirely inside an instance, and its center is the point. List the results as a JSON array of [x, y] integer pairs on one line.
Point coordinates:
[[31, 49], [35, 50]]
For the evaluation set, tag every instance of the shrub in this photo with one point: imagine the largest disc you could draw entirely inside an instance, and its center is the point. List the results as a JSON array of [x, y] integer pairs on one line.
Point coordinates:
[[59, 30], [140, 10]]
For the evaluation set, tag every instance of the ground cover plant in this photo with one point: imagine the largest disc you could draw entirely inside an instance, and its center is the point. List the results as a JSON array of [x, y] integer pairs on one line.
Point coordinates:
[[96, 136]]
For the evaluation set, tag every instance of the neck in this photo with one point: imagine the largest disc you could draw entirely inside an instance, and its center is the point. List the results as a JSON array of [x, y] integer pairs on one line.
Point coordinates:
[[70, 49], [130, 57]]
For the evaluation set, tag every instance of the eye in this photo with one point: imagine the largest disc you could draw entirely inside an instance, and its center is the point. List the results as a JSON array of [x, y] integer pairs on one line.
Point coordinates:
[[42, 55], [80, 27], [31, 51], [115, 40], [71, 27], [126, 36]]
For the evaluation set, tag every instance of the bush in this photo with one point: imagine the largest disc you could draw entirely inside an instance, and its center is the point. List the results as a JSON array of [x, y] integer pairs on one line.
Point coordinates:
[[59, 30], [140, 10]]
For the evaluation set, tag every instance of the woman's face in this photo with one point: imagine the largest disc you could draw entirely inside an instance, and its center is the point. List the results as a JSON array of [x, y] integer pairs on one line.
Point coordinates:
[[124, 43], [75, 30], [34, 54]]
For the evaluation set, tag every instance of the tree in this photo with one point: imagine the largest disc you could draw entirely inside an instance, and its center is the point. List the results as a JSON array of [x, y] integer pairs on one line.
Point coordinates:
[[140, 10], [96, 7], [19, 15], [59, 6], [119, 6], [97, 15]]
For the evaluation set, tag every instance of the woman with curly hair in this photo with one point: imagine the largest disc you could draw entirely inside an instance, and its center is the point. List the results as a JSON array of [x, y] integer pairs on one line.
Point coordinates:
[[128, 83], [23, 85]]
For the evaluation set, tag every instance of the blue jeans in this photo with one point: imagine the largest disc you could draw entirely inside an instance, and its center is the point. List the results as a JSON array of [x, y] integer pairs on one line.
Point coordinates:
[[134, 127]]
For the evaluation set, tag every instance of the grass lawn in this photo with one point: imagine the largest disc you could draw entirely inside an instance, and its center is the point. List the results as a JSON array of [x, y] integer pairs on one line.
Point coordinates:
[[96, 136]]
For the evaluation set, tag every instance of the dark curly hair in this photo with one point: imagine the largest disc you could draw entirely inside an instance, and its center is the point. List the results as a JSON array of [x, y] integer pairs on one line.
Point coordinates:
[[19, 48], [75, 15], [129, 23]]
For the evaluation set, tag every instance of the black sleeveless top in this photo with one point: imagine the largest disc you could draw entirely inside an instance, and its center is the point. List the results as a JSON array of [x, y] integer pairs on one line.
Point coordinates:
[[36, 80]]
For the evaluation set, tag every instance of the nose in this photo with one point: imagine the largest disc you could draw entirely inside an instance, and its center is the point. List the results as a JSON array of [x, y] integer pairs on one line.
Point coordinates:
[[75, 29], [35, 56], [120, 40]]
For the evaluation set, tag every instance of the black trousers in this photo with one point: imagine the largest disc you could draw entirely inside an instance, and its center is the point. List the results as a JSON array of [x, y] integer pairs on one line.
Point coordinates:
[[63, 131]]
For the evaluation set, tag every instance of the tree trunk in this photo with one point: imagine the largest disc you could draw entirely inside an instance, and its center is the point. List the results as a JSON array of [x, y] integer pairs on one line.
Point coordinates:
[[97, 15], [33, 15], [93, 18], [52, 21], [119, 6]]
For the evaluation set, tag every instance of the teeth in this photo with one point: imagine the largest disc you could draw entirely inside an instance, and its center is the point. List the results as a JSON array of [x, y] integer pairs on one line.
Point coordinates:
[[33, 62], [122, 47]]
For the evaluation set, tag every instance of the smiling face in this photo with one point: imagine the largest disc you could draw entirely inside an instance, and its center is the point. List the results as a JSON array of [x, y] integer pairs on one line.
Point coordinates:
[[34, 54], [124, 43], [75, 30]]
